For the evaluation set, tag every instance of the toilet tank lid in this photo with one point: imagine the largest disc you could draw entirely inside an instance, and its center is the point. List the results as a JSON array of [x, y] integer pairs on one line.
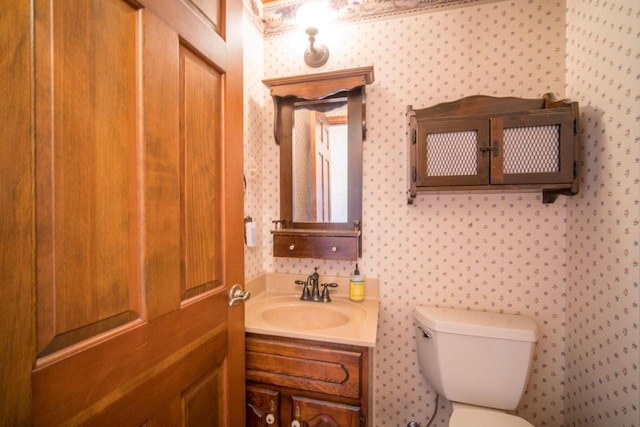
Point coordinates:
[[477, 323]]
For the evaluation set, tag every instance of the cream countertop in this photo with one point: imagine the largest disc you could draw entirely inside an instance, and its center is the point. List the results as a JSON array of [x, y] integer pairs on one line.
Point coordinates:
[[272, 293]]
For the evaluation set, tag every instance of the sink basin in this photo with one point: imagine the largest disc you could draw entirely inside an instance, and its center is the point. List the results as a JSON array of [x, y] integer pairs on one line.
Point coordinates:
[[306, 316], [340, 321]]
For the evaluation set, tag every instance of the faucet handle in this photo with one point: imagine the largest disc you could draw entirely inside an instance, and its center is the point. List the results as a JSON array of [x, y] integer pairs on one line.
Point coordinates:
[[306, 296], [325, 292]]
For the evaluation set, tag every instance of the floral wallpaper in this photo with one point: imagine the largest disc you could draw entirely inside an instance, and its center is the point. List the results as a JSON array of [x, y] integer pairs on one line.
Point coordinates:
[[571, 265], [602, 315], [279, 16], [255, 140]]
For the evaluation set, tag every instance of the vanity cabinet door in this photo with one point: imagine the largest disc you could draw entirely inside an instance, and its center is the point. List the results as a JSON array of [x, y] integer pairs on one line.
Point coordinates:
[[263, 407], [318, 413]]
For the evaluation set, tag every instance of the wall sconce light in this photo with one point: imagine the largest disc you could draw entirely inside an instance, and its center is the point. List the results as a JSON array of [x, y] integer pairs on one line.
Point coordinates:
[[310, 16]]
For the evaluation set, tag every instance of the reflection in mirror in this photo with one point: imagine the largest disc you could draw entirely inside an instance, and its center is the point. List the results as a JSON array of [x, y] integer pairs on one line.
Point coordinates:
[[320, 161]]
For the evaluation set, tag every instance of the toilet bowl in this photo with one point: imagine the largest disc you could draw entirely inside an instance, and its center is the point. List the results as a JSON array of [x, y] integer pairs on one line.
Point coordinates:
[[475, 416], [479, 361]]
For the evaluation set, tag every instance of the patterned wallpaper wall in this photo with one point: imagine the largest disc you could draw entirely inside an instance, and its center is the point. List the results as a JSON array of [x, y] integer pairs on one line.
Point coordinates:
[[497, 252], [603, 233], [256, 141]]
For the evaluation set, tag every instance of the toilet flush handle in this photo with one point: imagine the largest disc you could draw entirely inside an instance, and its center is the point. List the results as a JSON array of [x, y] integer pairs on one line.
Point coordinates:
[[425, 332]]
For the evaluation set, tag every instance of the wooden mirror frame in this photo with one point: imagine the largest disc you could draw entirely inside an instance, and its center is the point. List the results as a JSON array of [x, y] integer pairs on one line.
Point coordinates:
[[349, 84]]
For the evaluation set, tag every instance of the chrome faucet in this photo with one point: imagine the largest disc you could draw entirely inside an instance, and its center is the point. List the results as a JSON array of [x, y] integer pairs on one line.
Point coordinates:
[[313, 294], [315, 291], [311, 282], [306, 296], [325, 291]]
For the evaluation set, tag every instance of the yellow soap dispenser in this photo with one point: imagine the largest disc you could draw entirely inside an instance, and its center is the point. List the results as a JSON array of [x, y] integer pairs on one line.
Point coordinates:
[[356, 286]]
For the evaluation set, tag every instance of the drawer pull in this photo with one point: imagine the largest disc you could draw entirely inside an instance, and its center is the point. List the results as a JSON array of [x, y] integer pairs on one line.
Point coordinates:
[[296, 422], [334, 249], [271, 418], [292, 247]]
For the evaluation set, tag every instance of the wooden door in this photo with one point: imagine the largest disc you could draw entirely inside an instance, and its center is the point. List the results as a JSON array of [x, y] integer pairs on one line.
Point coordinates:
[[320, 166], [135, 191]]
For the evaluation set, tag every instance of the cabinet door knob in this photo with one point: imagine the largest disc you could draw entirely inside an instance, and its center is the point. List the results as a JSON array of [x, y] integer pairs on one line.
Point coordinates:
[[271, 418]]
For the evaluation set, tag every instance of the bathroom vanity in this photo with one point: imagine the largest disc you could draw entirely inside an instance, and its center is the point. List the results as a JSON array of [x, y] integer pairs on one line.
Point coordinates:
[[307, 381], [308, 362]]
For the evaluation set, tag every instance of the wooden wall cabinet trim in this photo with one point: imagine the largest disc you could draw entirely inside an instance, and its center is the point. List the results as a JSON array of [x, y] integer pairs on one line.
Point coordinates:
[[320, 93], [487, 143], [334, 245], [314, 383]]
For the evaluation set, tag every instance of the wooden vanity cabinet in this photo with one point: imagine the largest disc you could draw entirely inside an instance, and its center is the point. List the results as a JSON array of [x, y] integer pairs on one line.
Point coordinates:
[[487, 143], [317, 384]]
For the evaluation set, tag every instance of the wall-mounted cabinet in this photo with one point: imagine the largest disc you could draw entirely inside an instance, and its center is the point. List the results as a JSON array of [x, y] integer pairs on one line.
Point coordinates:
[[487, 143]]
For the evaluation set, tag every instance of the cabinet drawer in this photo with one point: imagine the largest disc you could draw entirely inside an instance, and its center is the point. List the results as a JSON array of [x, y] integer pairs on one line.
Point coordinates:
[[292, 246], [329, 369], [339, 248]]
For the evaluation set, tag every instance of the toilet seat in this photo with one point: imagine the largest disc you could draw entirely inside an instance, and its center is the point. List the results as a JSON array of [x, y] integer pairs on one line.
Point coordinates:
[[475, 416]]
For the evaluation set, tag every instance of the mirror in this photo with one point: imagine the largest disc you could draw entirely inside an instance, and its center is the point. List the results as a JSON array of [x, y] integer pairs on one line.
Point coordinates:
[[320, 161], [319, 123]]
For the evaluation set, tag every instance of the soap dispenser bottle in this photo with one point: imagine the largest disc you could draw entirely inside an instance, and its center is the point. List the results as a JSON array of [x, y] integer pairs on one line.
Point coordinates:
[[356, 286]]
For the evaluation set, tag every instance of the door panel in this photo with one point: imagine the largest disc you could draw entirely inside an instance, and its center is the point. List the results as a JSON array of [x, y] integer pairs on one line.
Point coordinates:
[[138, 218], [126, 379], [199, 172], [87, 278], [17, 245], [160, 242]]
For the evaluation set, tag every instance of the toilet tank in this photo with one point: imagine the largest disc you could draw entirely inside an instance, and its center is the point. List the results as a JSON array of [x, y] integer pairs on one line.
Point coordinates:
[[474, 357]]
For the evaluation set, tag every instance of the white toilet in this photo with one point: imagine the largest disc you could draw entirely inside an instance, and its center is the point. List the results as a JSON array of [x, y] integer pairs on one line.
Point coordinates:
[[479, 361]]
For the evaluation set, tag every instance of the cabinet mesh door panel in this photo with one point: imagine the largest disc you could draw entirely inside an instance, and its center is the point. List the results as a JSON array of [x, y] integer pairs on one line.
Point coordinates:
[[532, 149], [452, 153]]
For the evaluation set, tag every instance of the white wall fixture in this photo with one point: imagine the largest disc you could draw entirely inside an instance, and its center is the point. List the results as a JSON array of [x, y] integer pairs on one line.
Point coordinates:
[[310, 17]]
